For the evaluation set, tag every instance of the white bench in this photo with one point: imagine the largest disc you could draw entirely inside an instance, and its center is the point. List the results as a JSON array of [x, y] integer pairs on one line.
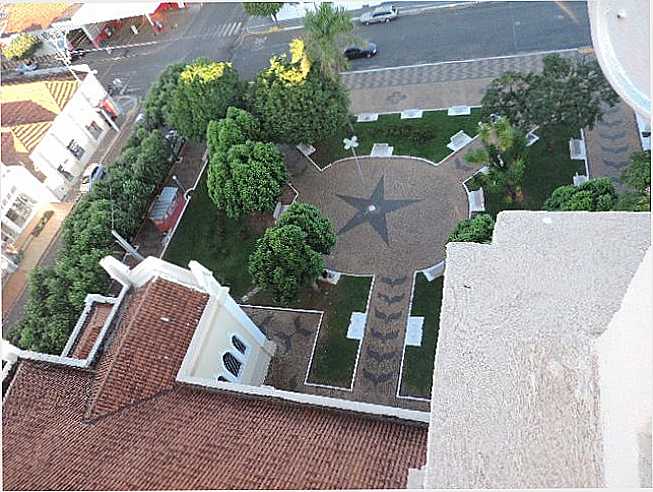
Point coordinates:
[[306, 149], [484, 170], [278, 210], [414, 331], [366, 117], [531, 138], [458, 141], [459, 111], [476, 200], [411, 113], [577, 149], [330, 278], [356, 326], [580, 179], [434, 272], [382, 150]]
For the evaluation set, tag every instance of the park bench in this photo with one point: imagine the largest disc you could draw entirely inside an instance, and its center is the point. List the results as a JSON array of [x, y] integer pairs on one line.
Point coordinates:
[[382, 150], [411, 114], [531, 138], [306, 149], [356, 326], [367, 117], [434, 272], [414, 331], [476, 200], [577, 149], [458, 141], [459, 111], [580, 179]]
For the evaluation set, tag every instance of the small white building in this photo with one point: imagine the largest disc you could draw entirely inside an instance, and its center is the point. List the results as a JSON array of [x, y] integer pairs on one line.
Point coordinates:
[[52, 123]]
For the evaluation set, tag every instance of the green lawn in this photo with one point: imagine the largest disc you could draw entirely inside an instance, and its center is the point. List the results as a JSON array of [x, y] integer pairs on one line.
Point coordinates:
[[220, 244], [548, 166], [335, 355], [421, 137], [417, 372]]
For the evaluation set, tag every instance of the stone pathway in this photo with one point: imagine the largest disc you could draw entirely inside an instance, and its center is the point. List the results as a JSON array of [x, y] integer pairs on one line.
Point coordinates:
[[611, 143], [432, 86], [392, 222]]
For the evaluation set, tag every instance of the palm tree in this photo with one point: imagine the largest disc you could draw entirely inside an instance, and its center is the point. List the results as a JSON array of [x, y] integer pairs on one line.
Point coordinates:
[[504, 149], [328, 29]]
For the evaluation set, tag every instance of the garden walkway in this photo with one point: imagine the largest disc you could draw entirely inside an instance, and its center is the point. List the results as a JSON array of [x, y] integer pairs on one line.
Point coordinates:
[[391, 223]]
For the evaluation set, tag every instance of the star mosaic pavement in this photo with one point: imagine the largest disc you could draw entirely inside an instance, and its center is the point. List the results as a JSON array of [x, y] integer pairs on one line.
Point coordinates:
[[373, 210]]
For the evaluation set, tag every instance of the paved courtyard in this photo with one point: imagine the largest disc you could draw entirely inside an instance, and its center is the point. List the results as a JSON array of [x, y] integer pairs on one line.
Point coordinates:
[[391, 219]]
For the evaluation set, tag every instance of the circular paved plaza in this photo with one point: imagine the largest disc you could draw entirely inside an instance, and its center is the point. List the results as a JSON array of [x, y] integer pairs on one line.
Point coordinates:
[[396, 218]]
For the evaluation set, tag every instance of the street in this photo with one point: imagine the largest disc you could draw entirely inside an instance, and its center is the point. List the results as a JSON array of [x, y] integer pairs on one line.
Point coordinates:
[[474, 31]]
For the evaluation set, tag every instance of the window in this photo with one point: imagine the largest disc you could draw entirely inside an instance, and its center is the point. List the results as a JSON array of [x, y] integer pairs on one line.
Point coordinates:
[[231, 363], [223, 379], [75, 149], [94, 129], [238, 344], [21, 210]]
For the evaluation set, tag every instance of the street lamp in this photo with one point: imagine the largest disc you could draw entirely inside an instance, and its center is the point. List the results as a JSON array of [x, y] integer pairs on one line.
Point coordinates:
[[351, 144]]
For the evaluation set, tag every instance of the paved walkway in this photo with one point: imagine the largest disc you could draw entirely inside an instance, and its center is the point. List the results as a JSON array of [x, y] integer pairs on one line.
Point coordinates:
[[611, 143], [394, 221], [432, 86]]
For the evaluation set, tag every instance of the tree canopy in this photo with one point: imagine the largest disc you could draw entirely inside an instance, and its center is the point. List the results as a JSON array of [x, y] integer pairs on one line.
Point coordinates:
[[478, 229], [204, 92], [327, 31], [284, 262], [295, 103], [157, 105], [21, 47], [596, 195], [263, 9], [568, 92], [320, 235]]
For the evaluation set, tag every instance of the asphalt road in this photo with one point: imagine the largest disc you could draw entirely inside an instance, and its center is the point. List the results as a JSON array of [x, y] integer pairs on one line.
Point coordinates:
[[476, 31]]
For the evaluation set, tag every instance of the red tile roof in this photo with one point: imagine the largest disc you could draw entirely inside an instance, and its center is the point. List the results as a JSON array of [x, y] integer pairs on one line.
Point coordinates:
[[127, 424], [91, 329], [26, 17]]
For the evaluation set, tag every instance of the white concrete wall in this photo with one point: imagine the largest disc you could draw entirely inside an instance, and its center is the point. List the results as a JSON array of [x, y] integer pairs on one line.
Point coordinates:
[[625, 355]]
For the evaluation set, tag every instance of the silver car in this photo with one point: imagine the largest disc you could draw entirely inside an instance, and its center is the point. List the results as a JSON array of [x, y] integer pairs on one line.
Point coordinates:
[[384, 13]]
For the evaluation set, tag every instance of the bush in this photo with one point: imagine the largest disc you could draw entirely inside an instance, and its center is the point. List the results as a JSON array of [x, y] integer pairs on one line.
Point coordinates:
[[157, 105], [478, 229], [596, 195], [320, 235], [22, 47]]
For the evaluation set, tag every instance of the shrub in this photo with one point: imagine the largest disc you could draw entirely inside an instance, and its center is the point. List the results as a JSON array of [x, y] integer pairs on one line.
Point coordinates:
[[22, 47], [478, 229]]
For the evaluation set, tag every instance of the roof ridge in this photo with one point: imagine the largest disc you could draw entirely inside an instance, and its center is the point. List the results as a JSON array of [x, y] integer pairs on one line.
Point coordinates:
[[90, 412]]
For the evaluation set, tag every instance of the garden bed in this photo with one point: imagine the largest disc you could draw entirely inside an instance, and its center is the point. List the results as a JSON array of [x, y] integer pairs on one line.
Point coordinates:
[[220, 244], [548, 166], [418, 362], [335, 355], [425, 137]]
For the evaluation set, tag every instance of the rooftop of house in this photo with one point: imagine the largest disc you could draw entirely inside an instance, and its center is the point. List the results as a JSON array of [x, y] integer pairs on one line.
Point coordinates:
[[517, 393], [26, 17], [126, 422]]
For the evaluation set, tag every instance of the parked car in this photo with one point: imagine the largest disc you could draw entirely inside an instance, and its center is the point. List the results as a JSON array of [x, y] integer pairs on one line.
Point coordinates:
[[384, 13], [93, 173], [368, 51], [28, 66]]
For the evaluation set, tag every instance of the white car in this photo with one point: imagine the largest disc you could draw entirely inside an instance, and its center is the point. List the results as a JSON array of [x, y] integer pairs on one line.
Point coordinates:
[[384, 13], [93, 173]]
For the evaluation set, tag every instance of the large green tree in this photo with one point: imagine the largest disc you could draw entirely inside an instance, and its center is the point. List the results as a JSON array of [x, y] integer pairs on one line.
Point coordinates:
[[569, 92], [478, 229], [327, 31], [637, 179], [320, 235], [204, 92], [21, 46], [504, 151], [263, 9], [284, 262], [296, 103], [157, 105], [596, 195]]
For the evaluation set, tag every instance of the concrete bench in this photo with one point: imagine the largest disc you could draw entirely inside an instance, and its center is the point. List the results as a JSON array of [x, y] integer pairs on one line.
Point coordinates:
[[459, 111], [414, 331], [458, 141], [580, 179], [356, 326], [306, 149], [382, 150], [434, 272], [278, 210], [411, 114], [476, 201], [366, 117], [577, 149]]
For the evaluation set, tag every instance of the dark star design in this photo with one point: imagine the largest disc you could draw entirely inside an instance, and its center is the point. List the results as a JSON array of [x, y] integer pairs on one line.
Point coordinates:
[[373, 210]]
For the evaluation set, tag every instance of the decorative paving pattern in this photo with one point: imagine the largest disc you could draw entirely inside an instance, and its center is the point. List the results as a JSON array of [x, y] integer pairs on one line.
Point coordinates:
[[392, 222], [373, 211]]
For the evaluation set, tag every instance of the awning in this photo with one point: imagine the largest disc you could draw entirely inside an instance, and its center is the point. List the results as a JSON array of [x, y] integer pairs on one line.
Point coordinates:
[[95, 13]]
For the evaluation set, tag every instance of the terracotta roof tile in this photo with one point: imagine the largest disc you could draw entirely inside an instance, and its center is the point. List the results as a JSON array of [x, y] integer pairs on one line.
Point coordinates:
[[24, 112], [145, 431], [185, 438], [25, 17], [90, 330], [11, 156]]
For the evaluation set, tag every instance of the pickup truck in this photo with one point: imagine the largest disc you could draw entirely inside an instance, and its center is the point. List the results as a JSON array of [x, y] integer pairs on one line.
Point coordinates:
[[384, 13]]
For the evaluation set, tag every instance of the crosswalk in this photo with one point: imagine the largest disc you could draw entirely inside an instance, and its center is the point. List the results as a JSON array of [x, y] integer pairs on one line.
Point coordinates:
[[227, 30]]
